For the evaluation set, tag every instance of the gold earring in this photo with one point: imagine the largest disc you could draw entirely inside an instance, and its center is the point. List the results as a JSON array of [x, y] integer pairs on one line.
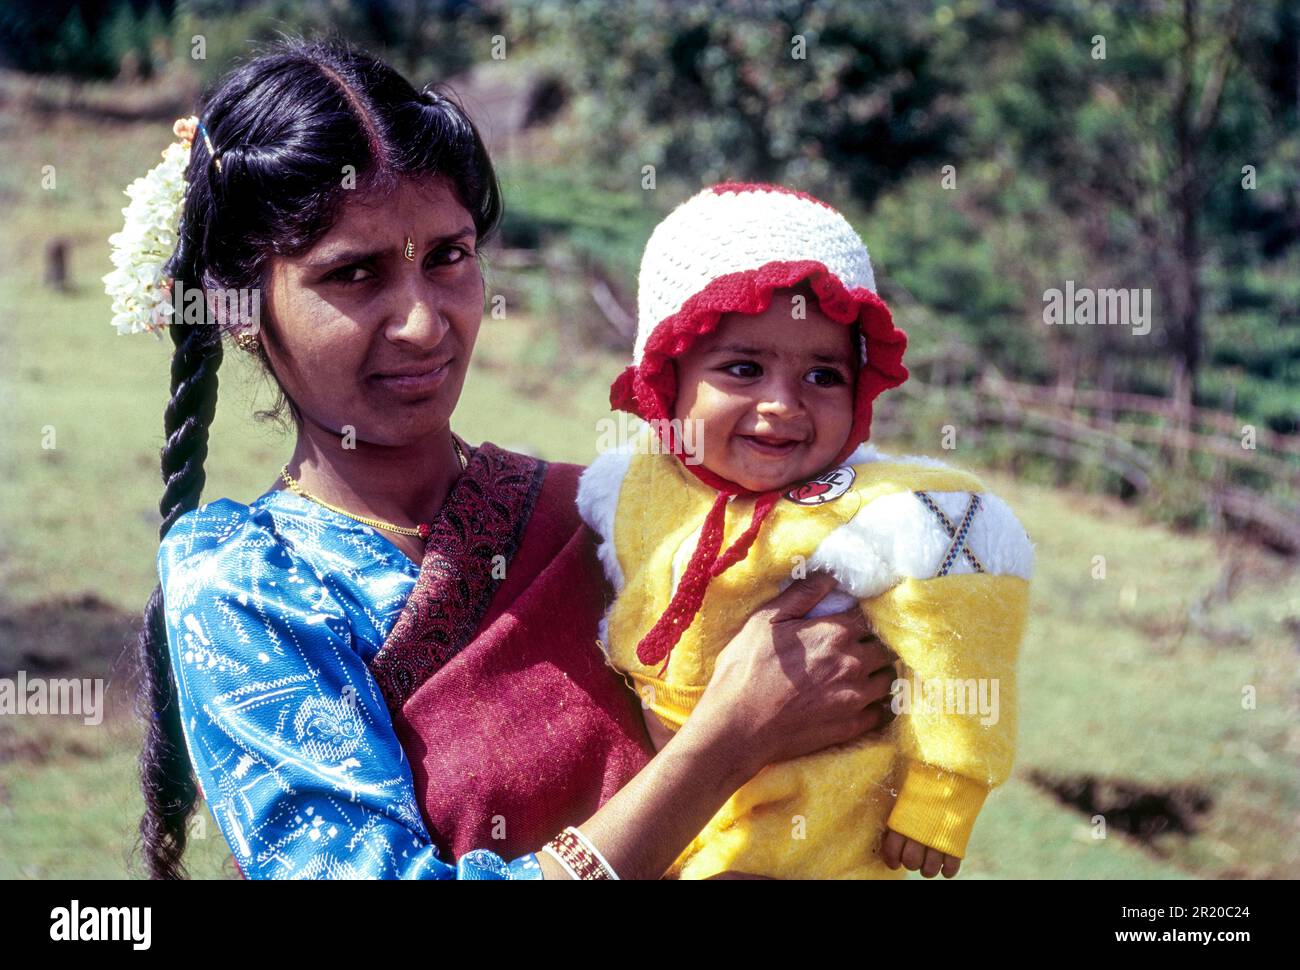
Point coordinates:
[[247, 342], [409, 251]]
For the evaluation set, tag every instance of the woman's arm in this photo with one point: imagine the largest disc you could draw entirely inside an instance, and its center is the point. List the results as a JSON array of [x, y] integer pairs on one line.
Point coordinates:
[[645, 826], [785, 686], [659, 734]]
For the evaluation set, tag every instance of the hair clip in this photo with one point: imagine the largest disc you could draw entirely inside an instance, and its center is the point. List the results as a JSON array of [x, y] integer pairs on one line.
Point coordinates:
[[208, 142]]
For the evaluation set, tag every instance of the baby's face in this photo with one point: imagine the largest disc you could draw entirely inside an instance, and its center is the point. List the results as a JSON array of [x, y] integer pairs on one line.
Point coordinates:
[[774, 395]]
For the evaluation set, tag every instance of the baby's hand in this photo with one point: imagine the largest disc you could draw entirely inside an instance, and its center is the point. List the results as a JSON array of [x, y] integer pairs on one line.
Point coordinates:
[[900, 849]]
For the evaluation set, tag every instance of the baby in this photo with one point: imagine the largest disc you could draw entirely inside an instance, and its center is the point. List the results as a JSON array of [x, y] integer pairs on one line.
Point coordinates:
[[761, 346]]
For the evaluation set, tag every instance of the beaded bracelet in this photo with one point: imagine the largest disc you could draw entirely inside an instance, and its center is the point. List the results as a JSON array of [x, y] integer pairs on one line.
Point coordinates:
[[580, 859]]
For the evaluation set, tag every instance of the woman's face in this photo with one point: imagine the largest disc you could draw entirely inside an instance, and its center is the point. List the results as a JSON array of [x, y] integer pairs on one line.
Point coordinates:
[[362, 337]]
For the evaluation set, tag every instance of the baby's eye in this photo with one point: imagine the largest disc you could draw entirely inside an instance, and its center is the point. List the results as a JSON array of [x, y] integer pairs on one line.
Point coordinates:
[[826, 376], [747, 368]]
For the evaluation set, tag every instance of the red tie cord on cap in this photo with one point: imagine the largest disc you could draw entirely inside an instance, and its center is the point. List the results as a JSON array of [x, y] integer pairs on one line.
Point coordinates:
[[704, 565]]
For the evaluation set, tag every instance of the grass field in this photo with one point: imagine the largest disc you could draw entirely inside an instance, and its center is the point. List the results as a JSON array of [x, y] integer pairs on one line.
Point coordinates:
[[1135, 681]]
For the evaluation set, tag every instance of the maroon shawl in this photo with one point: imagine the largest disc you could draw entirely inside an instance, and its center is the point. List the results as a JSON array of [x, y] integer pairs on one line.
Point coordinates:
[[513, 724]]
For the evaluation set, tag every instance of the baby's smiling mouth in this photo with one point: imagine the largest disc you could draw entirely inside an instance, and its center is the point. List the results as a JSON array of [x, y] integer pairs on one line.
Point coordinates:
[[771, 445]]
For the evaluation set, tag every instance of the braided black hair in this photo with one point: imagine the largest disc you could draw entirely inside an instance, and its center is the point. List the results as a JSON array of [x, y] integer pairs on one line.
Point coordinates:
[[284, 124]]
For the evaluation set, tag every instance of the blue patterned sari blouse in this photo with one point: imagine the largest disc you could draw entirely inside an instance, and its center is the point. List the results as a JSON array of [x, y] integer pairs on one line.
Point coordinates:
[[274, 610]]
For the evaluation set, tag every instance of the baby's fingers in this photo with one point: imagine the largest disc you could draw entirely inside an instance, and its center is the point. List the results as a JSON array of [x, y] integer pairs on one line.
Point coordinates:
[[913, 854], [891, 850], [933, 863], [950, 866]]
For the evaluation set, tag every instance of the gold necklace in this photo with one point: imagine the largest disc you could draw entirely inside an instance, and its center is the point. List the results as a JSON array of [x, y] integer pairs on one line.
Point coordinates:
[[422, 530]]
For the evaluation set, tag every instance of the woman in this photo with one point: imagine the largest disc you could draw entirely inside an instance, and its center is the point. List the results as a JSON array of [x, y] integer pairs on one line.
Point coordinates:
[[356, 700]]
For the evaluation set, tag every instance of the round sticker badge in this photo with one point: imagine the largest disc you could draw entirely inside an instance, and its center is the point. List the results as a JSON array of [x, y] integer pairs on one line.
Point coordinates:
[[823, 488]]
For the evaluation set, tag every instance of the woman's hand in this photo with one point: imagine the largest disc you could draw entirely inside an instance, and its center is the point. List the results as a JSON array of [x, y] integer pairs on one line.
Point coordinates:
[[787, 685]]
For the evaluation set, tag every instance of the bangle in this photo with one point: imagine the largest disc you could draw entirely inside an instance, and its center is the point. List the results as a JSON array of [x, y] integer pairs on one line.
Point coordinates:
[[580, 859]]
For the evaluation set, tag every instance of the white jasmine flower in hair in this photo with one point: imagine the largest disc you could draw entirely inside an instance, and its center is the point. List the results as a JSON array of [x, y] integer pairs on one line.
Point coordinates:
[[140, 290]]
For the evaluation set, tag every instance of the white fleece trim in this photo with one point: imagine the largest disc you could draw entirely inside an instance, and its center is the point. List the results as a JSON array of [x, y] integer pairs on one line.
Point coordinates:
[[833, 602], [598, 490], [896, 537], [602, 631]]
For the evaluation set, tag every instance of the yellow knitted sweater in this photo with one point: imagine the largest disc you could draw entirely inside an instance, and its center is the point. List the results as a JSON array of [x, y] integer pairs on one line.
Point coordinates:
[[952, 603]]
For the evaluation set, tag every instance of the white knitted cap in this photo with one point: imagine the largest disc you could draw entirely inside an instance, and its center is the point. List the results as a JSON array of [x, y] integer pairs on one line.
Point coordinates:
[[740, 228]]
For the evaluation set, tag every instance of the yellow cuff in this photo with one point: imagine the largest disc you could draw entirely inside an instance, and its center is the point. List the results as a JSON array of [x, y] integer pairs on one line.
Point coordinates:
[[672, 703], [937, 808]]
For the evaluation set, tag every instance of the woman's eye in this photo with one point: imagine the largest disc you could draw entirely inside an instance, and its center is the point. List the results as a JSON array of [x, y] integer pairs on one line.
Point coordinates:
[[451, 255], [747, 369], [347, 275], [826, 376]]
